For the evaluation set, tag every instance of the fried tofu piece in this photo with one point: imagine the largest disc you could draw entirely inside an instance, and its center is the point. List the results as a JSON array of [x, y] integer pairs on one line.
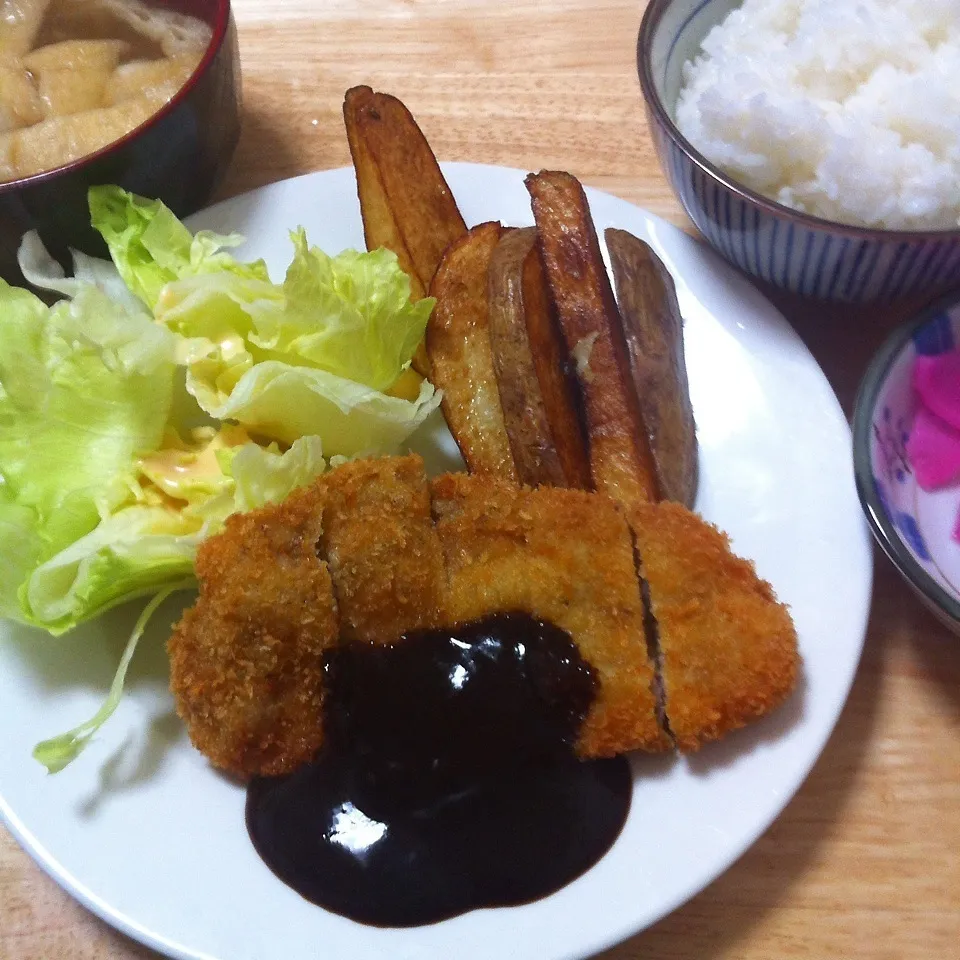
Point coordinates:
[[728, 647], [20, 25], [68, 91], [566, 557], [383, 552], [61, 140], [247, 660], [20, 104], [139, 77], [76, 55], [8, 162]]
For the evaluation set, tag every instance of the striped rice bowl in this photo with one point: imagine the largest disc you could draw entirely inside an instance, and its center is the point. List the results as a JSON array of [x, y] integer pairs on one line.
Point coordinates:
[[791, 250]]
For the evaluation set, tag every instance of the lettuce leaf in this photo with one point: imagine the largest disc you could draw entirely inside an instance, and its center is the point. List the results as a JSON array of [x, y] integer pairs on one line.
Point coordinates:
[[349, 315], [144, 546], [277, 400], [98, 504], [20, 551], [58, 752], [150, 548], [311, 356], [41, 270], [132, 553], [151, 247], [263, 476], [102, 500], [85, 386]]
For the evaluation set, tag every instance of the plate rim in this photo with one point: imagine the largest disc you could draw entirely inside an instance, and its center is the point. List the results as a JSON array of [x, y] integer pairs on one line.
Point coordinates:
[[156, 941]]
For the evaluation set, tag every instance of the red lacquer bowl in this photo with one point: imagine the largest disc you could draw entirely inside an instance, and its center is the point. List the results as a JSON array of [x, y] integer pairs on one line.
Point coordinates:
[[179, 155]]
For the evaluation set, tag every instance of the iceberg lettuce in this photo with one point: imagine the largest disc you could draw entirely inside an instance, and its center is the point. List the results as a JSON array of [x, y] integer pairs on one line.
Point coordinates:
[[98, 504], [127, 408], [151, 247], [277, 400], [313, 355], [85, 387], [349, 315], [58, 752], [150, 547]]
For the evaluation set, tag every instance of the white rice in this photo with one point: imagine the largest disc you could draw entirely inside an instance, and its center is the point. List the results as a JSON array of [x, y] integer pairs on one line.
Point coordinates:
[[845, 109]]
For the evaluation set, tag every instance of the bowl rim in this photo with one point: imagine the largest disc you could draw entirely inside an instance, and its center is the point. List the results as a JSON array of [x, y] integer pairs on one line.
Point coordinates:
[[220, 25], [652, 16], [878, 519]]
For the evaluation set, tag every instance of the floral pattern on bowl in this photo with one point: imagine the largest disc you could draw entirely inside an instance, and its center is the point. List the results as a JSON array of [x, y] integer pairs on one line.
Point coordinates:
[[913, 526]]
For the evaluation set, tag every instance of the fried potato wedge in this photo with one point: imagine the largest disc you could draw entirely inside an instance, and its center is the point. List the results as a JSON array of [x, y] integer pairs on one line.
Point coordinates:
[[524, 413], [405, 202], [460, 356], [621, 462], [653, 328], [423, 207], [554, 366], [380, 228]]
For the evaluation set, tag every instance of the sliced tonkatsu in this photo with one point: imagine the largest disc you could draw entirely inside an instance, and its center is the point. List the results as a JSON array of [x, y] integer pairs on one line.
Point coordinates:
[[728, 648], [566, 557], [372, 553], [383, 551], [246, 662]]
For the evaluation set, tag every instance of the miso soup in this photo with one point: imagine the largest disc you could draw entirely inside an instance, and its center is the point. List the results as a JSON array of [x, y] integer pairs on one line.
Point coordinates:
[[75, 75]]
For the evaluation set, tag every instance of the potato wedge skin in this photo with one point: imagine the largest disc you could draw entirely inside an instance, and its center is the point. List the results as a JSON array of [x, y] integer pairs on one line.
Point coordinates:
[[380, 228], [424, 213], [461, 359], [524, 414], [405, 201], [653, 327], [621, 462], [554, 366]]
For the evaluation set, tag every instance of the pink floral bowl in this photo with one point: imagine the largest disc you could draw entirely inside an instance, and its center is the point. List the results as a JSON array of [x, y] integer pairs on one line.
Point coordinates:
[[917, 528]]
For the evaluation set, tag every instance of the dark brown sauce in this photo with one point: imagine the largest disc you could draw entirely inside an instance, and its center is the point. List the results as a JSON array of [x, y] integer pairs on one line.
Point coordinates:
[[447, 781]]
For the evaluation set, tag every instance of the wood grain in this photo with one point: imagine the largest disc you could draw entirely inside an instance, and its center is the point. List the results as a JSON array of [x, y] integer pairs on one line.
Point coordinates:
[[864, 864]]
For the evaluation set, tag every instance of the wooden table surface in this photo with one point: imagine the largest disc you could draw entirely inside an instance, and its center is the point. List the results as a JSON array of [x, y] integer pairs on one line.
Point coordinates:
[[865, 861]]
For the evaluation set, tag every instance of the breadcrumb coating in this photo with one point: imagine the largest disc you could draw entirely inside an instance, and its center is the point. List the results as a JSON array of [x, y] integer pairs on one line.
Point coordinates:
[[246, 662], [564, 556], [728, 646], [383, 552], [372, 551]]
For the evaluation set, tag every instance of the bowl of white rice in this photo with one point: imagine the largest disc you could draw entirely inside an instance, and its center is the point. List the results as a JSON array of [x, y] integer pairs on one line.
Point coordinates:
[[814, 143]]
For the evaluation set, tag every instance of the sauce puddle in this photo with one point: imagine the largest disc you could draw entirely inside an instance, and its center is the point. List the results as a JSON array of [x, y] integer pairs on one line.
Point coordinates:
[[447, 781]]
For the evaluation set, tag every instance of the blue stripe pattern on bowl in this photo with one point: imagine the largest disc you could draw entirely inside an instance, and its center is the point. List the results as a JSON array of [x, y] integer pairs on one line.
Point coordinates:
[[797, 253]]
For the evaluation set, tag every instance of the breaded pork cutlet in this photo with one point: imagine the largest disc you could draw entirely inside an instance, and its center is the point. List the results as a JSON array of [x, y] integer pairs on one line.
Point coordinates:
[[246, 661], [384, 554], [728, 647], [354, 557], [372, 551], [566, 557]]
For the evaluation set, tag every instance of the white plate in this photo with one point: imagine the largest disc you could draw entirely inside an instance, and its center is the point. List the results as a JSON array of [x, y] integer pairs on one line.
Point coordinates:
[[145, 834]]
